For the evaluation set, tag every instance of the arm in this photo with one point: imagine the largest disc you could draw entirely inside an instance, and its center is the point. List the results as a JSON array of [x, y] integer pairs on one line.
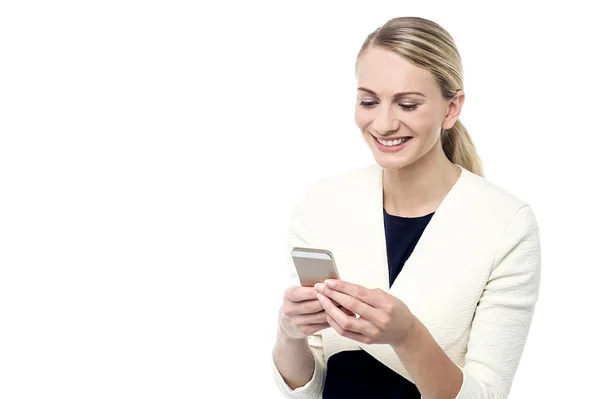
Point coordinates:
[[298, 367], [433, 372], [298, 364], [499, 330], [504, 313], [384, 319]]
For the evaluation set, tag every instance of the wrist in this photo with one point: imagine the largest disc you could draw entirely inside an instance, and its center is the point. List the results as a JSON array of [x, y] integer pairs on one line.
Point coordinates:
[[411, 336], [286, 337]]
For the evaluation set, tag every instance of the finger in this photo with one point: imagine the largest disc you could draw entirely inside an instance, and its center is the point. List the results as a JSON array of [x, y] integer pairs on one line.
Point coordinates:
[[344, 320], [299, 294], [335, 303], [365, 295], [313, 328], [348, 312], [306, 319], [292, 309], [352, 304], [315, 306], [347, 333], [306, 307], [340, 306]]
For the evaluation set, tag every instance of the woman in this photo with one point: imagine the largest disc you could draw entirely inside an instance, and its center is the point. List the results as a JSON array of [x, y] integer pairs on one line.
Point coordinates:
[[440, 266]]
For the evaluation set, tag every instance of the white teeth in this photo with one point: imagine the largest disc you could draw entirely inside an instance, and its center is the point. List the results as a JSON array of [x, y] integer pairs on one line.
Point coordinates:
[[390, 143]]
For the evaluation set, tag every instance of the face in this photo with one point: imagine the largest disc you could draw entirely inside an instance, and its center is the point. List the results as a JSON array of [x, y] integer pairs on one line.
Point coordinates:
[[400, 109]]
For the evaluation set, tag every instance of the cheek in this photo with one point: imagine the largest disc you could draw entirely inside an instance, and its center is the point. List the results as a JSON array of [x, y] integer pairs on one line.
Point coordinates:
[[361, 117], [424, 124]]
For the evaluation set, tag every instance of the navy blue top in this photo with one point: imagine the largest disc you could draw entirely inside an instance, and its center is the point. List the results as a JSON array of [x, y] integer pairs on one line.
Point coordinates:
[[356, 374]]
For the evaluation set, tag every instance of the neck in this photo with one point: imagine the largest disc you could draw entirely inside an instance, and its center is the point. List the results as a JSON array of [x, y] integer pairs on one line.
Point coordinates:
[[418, 189]]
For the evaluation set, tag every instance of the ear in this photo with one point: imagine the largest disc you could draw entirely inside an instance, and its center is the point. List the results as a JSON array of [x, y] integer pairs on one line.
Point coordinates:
[[453, 110]]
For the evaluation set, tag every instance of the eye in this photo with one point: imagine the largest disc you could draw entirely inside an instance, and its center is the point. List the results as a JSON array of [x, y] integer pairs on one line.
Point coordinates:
[[368, 104], [404, 106], [408, 107]]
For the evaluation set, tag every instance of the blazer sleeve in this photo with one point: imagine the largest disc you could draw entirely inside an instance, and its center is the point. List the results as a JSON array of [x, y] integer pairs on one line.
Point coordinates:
[[297, 237], [504, 313]]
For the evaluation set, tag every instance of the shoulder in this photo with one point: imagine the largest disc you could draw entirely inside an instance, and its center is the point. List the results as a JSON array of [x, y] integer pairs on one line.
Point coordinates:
[[478, 191], [495, 208]]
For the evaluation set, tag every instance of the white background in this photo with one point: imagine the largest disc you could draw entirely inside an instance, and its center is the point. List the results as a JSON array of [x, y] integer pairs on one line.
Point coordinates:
[[150, 153]]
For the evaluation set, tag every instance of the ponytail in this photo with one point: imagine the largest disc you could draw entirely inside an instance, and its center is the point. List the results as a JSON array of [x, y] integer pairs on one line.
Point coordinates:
[[460, 150]]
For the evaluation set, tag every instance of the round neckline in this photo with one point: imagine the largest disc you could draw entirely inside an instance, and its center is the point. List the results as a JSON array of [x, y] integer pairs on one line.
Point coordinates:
[[408, 219]]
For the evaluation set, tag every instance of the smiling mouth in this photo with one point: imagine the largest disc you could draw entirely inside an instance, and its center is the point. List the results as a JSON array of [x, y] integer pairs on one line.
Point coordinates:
[[392, 142]]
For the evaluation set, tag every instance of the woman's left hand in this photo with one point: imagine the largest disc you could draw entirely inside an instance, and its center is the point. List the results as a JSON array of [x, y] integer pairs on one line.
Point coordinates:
[[384, 319]]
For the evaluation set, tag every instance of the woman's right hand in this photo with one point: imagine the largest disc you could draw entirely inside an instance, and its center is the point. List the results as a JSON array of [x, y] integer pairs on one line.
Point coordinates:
[[301, 313]]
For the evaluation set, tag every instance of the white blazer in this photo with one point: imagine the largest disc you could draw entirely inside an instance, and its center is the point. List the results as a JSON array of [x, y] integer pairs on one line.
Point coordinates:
[[472, 279]]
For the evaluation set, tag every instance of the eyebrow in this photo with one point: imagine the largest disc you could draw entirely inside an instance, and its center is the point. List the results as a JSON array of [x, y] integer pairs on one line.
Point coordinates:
[[402, 94]]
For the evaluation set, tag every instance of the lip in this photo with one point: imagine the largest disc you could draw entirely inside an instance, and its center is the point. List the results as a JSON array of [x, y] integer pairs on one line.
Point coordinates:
[[390, 138], [395, 148]]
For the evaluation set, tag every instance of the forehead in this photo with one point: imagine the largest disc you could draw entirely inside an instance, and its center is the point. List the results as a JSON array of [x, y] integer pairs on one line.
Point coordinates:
[[387, 73]]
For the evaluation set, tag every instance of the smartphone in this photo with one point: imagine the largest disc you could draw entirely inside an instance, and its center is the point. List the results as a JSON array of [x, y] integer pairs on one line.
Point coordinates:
[[314, 265]]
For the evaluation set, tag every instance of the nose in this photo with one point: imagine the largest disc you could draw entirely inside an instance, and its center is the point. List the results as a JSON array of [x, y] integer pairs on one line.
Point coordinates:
[[385, 121]]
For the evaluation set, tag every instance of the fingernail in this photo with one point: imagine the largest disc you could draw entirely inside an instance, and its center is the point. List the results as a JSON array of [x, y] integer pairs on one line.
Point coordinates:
[[319, 287], [320, 297], [329, 283]]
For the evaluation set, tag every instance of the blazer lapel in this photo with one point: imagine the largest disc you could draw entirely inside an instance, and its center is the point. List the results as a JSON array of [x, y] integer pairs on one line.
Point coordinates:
[[361, 249], [370, 243], [369, 240], [408, 286], [435, 233]]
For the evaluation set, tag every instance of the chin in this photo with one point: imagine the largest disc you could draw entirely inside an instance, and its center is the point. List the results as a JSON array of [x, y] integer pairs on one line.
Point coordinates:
[[389, 162], [406, 157], [393, 160]]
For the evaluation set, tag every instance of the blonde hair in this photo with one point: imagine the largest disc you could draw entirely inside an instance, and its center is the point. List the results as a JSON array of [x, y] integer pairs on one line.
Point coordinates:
[[429, 46]]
